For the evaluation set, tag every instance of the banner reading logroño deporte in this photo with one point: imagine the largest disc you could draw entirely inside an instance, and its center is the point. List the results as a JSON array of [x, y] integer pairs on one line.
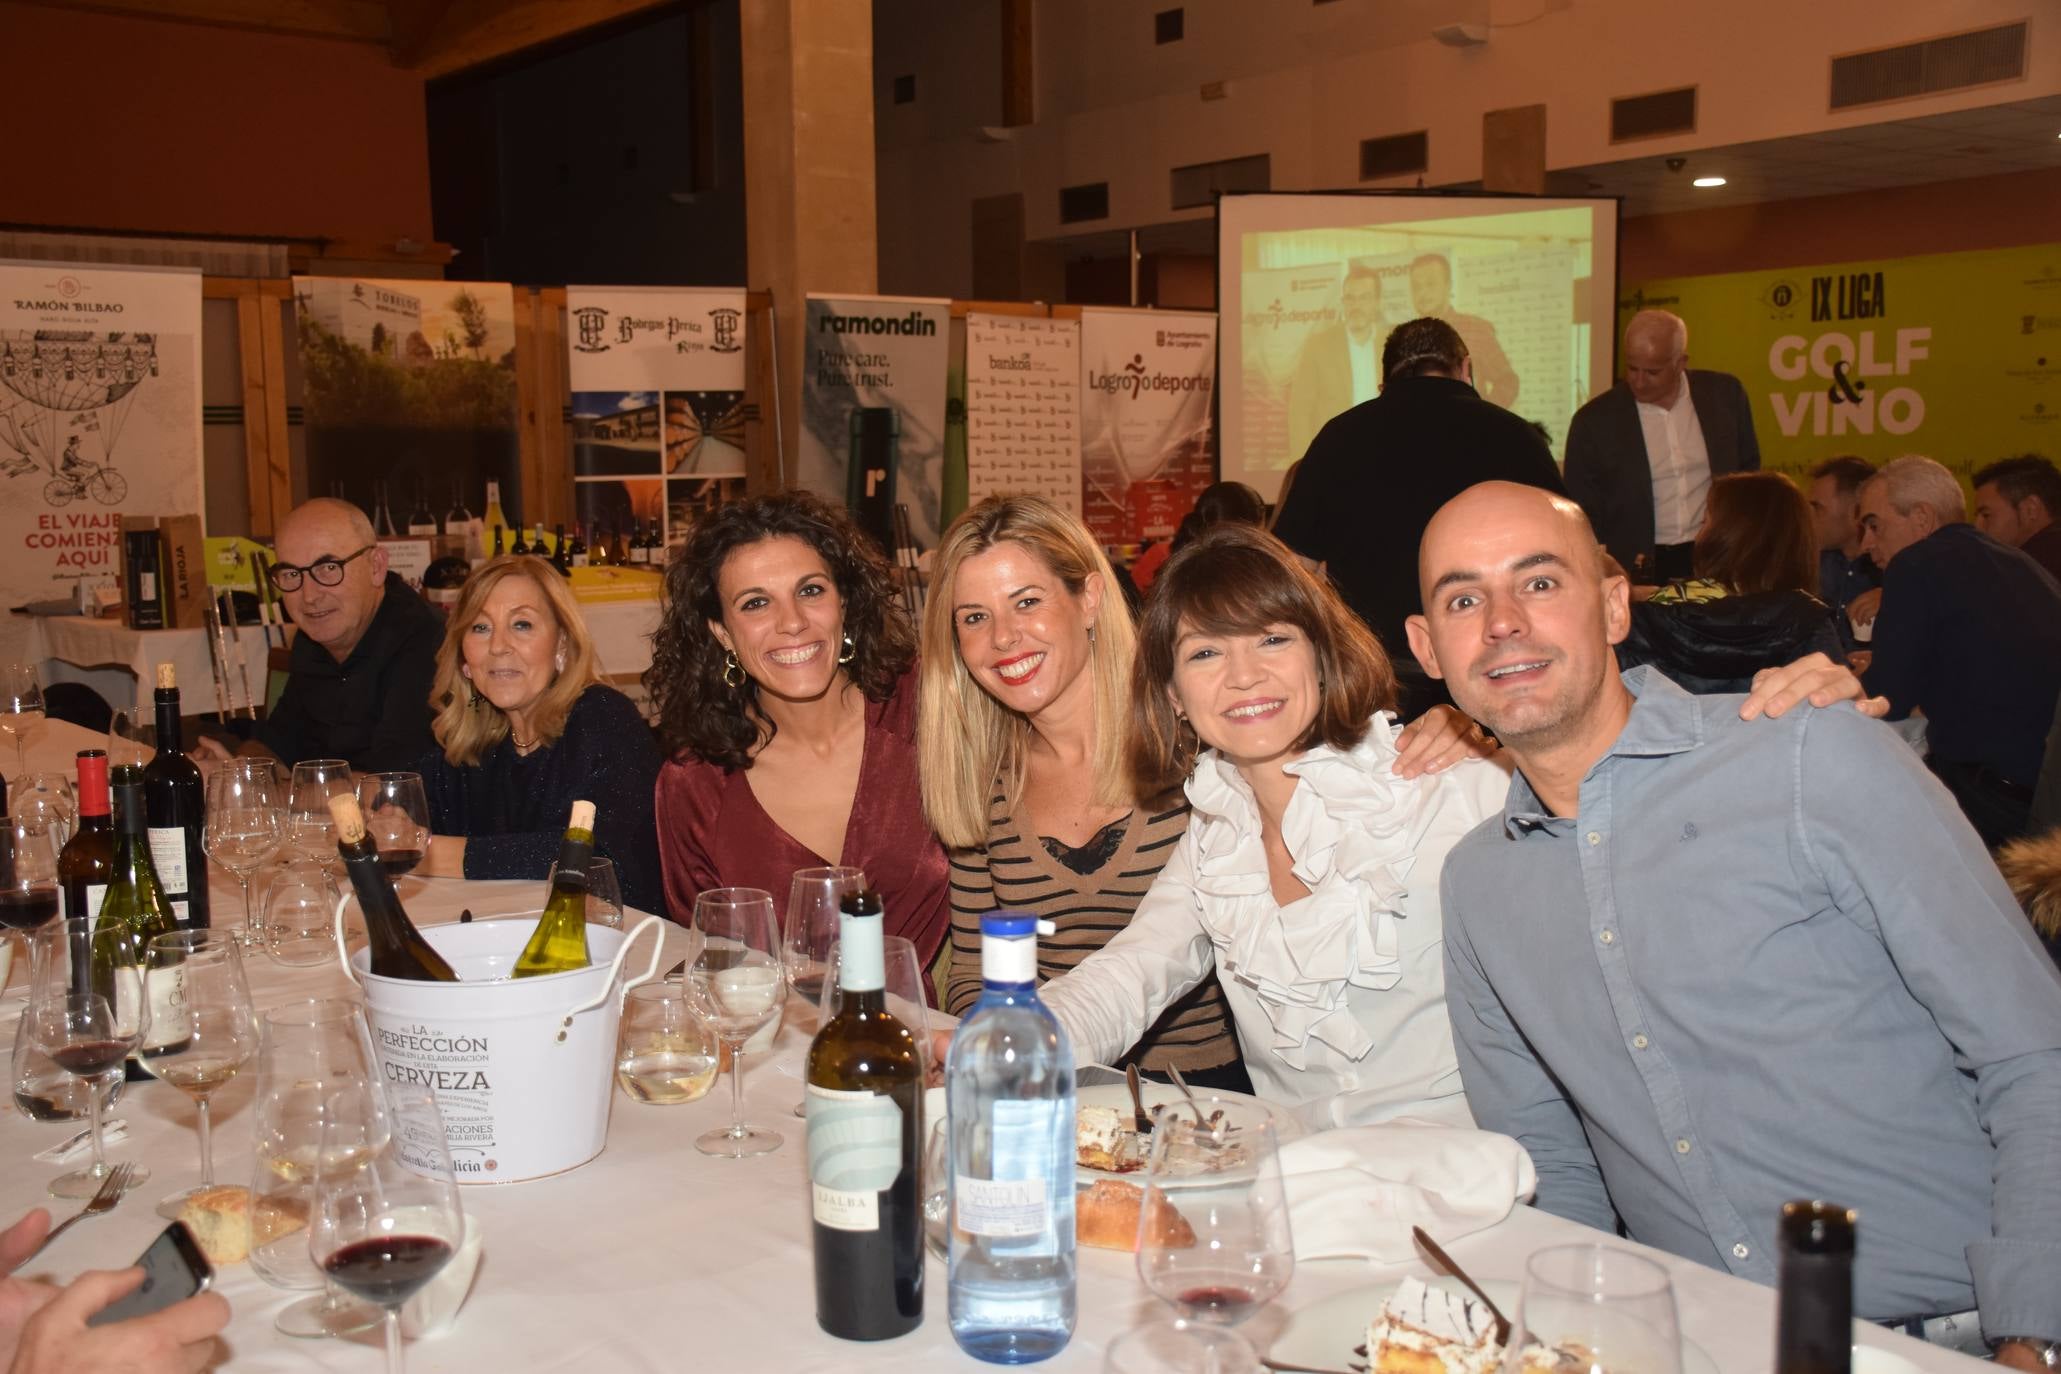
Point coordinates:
[[1148, 378], [99, 415], [866, 355], [1954, 355]]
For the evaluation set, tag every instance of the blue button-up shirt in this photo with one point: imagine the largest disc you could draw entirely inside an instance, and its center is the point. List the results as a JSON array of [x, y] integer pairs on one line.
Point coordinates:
[[1768, 961]]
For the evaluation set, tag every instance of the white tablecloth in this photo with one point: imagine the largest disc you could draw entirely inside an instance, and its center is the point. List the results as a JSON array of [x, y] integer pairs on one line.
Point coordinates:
[[622, 634], [656, 1257], [121, 663]]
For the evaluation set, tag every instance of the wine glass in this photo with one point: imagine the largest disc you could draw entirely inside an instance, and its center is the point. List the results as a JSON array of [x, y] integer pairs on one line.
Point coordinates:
[[604, 893], [28, 881], [309, 827], [387, 1218], [87, 1011], [810, 927], [1608, 1307], [665, 1054], [299, 923], [312, 1050], [904, 983], [219, 1035], [132, 737], [1180, 1350], [1213, 1238], [21, 709], [46, 798], [737, 982], [44, 1092], [396, 812], [246, 818]]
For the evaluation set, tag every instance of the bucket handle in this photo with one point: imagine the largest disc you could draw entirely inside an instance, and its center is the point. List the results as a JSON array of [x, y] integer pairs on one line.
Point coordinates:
[[343, 949]]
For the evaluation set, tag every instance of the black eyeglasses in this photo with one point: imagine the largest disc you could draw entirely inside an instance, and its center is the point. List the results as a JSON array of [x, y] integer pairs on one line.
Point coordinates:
[[327, 572]]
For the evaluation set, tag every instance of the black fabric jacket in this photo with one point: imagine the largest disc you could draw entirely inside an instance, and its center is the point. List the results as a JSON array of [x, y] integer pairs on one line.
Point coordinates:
[[1715, 647]]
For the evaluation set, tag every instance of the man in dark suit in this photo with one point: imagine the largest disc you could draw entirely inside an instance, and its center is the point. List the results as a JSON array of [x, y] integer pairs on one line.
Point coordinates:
[[1431, 293], [1376, 475], [1640, 457], [1339, 365]]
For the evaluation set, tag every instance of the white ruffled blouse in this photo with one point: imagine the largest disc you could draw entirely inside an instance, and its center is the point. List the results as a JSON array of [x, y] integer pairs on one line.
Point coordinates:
[[1339, 997]]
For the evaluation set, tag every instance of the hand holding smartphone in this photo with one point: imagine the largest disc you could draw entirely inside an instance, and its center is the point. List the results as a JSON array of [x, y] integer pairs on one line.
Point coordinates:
[[174, 1269]]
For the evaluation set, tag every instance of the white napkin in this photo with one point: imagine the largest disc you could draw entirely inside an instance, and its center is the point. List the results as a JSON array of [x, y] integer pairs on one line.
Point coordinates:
[[1355, 1193], [81, 1145]]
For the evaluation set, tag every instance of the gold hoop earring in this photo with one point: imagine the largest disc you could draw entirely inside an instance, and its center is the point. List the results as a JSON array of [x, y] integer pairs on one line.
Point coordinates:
[[731, 665], [851, 650]]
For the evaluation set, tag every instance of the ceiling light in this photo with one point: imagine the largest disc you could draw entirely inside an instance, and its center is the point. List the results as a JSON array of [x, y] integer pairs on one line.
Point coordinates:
[[1708, 181]]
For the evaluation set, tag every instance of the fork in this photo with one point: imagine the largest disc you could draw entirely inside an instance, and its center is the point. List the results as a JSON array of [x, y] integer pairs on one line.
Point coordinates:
[[111, 1190]]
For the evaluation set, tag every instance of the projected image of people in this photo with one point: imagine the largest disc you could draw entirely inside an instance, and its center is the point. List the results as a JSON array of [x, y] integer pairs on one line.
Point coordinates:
[[1431, 292], [1341, 363]]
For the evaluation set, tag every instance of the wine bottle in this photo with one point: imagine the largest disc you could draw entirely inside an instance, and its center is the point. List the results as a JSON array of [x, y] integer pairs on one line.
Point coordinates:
[[521, 545], [457, 520], [398, 949], [561, 553], [1010, 1100], [559, 944], [493, 519], [576, 555], [499, 531], [383, 515], [639, 556], [133, 913], [421, 520], [864, 1105], [87, 861], [175, 804], [1814, 1302]]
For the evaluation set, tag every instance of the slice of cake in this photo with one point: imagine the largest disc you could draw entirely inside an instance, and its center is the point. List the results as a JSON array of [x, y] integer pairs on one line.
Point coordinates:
[[1426, 1330], [1102, 1140]]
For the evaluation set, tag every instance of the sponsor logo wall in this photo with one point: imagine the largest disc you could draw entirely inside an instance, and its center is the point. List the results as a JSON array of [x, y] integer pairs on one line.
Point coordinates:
[[1023, 410]]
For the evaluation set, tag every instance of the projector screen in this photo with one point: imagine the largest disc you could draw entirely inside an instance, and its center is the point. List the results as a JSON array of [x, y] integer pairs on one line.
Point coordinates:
[[1308, 287]]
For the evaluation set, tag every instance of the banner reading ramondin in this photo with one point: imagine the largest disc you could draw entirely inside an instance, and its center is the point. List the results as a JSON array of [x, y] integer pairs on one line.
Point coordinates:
[[871, 354], [1953, 355]]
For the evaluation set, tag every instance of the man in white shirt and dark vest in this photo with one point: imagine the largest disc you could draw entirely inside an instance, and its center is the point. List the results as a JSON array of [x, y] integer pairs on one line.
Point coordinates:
[[1640, 457]]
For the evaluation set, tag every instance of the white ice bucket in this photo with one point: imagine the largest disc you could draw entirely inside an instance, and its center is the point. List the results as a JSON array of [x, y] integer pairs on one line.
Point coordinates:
[[523, 1068]]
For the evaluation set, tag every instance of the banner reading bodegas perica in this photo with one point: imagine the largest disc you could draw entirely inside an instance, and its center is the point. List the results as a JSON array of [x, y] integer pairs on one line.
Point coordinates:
[[1954, 355]]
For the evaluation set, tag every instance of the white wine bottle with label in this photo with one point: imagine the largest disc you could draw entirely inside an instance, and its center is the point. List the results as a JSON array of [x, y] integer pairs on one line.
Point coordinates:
[[559, 944], [134, 912]]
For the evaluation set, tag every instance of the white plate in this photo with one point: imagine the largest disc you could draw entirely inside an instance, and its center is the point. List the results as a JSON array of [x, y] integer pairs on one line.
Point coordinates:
[[1324, 1334], [1118, 1095]]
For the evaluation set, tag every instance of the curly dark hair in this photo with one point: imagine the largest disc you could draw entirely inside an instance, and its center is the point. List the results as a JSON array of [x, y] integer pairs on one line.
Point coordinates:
[[701, 716]]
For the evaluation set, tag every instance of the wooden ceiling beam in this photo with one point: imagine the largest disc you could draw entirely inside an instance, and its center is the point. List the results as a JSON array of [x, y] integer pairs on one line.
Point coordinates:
[[468, 33], [358, 21]]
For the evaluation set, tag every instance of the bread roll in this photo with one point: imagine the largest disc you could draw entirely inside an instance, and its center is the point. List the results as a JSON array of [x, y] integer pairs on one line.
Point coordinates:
[[219, 1219], [1106, 1217]]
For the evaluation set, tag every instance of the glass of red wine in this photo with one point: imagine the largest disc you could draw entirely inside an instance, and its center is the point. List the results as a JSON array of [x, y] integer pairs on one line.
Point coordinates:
[[78, 1030], [387, 1218], [28, 880], [87, 1012], [1213, 1237], [396, 812]]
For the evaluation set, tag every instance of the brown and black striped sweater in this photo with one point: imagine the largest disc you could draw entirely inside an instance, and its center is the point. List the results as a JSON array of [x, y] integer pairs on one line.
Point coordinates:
[[1015, 872]]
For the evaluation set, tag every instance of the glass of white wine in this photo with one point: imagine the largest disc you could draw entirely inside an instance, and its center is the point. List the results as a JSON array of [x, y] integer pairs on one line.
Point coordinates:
[[216, 1035], [665, 1054], [737, 982], [21, 709]]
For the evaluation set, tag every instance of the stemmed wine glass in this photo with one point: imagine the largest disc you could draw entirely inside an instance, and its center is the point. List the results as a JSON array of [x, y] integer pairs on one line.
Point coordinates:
[[218, 1037], [396, 812], [903, 982], [1213, 1238], [132, 737], [810, 927], [21, 709], [312, 1050], [309, 827], [88, 1025], [1611, 1308], [737, 982], [46, 798], [28, 881], [604, 893], [299, 923], [245, 822], [387, 1218]]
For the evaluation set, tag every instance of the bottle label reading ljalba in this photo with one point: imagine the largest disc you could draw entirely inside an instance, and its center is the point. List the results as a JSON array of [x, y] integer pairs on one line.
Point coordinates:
[[855, 1154]]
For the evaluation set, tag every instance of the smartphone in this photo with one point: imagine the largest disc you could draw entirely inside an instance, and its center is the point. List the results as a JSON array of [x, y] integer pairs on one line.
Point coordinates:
[[174, 1269]]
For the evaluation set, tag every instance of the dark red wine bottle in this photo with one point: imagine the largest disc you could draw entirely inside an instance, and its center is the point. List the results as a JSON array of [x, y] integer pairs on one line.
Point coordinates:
[[1814, 1289], [176, 806], [398, 949]]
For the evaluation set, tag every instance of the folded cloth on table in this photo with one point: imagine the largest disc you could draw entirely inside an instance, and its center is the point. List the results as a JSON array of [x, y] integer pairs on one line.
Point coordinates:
[[1355, 1193], [80, 1145]]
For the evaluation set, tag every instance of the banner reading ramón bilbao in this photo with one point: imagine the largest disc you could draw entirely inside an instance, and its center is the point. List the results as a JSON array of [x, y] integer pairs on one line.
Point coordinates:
[[1953, 355], [875, 372], [1147, 381]]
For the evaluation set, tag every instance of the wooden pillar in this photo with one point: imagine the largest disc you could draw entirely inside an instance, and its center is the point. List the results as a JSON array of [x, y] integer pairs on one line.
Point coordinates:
[[1513, 150], [810, 223]]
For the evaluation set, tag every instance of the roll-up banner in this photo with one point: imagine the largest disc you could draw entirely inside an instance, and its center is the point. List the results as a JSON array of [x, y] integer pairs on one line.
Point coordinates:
[[1023, 412], [874, 386], [1147, 379]]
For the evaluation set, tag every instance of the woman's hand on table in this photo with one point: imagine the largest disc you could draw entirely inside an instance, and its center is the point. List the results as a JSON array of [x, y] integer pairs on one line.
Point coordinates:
[[445, 859], [1438, 739]]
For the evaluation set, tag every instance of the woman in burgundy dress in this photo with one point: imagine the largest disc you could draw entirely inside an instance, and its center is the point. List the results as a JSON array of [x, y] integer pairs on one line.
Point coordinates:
[[782, 675]]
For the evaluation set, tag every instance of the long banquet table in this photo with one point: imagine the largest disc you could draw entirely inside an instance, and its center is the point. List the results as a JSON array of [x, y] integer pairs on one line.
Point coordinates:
[[655, 1257]]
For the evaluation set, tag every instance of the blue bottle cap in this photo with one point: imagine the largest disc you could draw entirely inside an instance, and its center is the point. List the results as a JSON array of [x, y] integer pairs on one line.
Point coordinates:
[[1008, 925]]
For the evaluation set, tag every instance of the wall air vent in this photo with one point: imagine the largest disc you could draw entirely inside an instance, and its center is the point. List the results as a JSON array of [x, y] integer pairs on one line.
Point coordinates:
[[1202, 183], [1653, 116], [1398, 155], [1978, 58], [1078, 203]]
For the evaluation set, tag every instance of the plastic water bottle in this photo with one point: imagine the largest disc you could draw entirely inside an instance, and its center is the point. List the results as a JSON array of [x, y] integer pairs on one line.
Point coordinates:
[[1009, 1104]]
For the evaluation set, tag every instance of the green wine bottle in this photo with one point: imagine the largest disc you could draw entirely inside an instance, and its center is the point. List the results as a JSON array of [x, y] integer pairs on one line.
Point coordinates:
[[560, 942], [397, 947], [132, 914]]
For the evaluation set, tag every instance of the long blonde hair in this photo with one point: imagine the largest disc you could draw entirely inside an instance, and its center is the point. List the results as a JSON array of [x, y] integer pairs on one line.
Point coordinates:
[[467, 725], [966, 741]]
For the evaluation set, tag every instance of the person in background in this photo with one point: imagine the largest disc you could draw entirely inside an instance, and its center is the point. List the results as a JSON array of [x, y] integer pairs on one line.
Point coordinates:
[[358, 687], [1969, 634], [1431, 296], [1376, 475], [1844, 572], [525, 727], [43, 1326], [1216, 504], [782, 674], [1340, 363], [1698, 968], [2016, 501], [2032, 866], [1641, 457]]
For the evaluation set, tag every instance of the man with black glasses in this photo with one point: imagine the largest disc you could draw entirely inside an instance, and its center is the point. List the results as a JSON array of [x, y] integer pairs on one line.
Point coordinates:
[[358, 685]]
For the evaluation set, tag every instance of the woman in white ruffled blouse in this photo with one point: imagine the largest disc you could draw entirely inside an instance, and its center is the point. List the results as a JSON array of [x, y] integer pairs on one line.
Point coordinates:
[[1308, 877]]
